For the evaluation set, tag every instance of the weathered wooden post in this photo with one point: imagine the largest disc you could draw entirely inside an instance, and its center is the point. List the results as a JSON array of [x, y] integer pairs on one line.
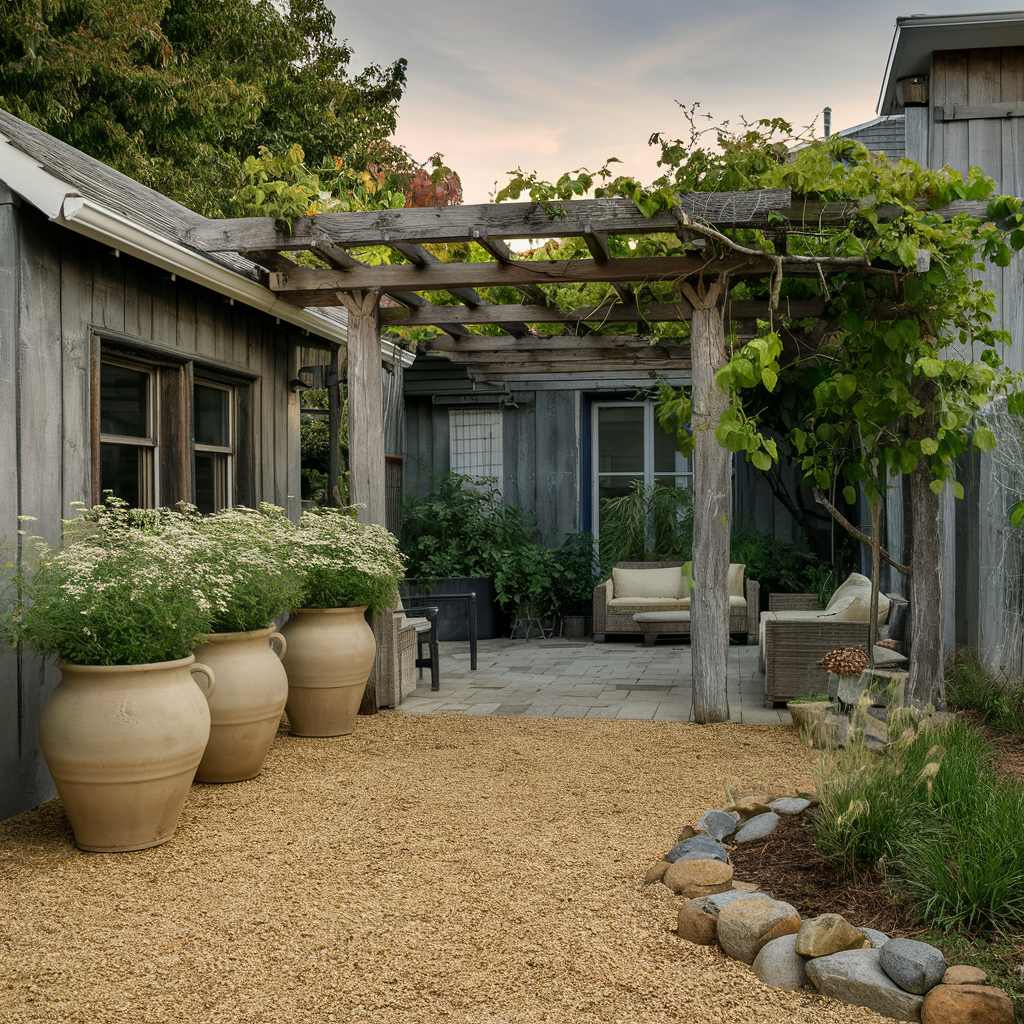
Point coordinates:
[[712, 509], [366, 467]]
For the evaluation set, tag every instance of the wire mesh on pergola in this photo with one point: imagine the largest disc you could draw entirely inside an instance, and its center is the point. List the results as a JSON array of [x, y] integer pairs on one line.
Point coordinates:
[[700, 221]]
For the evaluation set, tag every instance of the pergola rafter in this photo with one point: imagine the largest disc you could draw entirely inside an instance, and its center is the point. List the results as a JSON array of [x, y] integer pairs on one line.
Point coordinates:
[[702, 274]]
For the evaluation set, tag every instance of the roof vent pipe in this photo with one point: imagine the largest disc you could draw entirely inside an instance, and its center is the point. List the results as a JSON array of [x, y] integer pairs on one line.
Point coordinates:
[[828, 121]]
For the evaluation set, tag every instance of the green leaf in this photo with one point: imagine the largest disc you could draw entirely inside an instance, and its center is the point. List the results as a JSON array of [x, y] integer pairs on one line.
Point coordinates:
[[929, 446], [984, 439], [930, 367], [937, 485], [958, 489], [907, 250], [769, 378], [762, 460], [1016, 513], [850, 495], [846, 386]]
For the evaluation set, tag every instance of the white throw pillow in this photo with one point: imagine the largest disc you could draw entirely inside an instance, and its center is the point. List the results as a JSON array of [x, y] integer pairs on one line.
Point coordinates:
[[853, 583], [736, 580], [852, 602], [665, 583]]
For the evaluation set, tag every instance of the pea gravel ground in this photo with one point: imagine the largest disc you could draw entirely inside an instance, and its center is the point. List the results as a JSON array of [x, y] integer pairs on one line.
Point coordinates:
[[424, 869]]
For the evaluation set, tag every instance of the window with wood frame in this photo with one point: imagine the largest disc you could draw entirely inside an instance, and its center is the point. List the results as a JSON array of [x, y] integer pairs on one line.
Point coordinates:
[[167, 430]]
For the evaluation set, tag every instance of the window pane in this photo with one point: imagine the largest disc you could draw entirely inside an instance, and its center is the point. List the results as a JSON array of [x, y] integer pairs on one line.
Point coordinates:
[[620, 440], [212, 416], [664, 450], [475, 443], [124, 400], [122, 471], [211, 481]]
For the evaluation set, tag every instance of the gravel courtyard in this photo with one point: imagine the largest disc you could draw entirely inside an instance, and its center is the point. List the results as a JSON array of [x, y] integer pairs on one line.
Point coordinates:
[[427, 868]]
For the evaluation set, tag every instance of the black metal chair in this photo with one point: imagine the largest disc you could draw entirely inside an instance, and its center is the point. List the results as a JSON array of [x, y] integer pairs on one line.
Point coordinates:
[[428, 637]]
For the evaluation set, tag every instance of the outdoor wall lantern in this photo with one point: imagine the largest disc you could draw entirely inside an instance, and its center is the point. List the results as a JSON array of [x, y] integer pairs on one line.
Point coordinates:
[[912, 92], [300, 383]]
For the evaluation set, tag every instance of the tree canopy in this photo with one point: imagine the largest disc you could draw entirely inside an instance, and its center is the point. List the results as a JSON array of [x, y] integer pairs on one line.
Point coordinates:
[[178, 93]]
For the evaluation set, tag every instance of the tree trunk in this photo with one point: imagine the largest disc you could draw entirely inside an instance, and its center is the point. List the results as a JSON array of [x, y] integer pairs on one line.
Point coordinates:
[[925, 682], [712, 513], [876, 574]]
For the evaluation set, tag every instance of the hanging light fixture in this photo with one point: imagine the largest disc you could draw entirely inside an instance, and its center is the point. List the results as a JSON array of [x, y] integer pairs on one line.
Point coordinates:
[[913, 91]]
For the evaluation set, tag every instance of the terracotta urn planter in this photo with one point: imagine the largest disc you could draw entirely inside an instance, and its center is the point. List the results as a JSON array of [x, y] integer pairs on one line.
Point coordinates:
[[329, 658], [252, 687], [122, 743]]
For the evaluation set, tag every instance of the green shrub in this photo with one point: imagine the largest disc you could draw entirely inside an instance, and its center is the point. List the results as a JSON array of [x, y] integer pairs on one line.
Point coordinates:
[[935, 817], [574, 586], [649, 524], [779, 566], [971, 687]]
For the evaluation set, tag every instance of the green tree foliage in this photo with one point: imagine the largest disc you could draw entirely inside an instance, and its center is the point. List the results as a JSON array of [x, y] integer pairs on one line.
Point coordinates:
[[177, 93]]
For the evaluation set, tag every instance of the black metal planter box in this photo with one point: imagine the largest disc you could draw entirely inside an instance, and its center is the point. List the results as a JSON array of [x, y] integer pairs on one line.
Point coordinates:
[[452, 619]]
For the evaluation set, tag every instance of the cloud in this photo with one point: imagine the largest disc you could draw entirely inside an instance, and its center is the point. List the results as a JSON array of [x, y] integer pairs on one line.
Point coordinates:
[[553, 85]]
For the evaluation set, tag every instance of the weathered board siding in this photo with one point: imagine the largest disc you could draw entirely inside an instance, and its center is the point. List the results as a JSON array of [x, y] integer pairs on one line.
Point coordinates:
[[975, 601], [57, 290]]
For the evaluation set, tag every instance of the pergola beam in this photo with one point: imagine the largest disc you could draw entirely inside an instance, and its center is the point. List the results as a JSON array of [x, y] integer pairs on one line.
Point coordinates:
[[609, 312], [559, 343], [493, 220]]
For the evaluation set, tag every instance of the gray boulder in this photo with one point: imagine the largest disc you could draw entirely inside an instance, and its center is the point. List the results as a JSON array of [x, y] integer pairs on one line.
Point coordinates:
[[717, 824], [914, 966], [790, 805], [854, 976], [697, 848], [779, 965], [757, 827]]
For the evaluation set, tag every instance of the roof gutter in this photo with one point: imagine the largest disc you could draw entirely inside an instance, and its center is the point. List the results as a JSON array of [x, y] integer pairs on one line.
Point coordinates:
[[102, 225]]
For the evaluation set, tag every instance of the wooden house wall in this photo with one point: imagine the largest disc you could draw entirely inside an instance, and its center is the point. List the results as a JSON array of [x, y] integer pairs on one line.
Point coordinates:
[[56, 290], [975, 595]]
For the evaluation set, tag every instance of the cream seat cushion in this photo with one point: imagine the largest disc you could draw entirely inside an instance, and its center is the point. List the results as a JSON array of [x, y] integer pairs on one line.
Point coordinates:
[[660, 583], [736, 580], [852, 602], [649, 602]]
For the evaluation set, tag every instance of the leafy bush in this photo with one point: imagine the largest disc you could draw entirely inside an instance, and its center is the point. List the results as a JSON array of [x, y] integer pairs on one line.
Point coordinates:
[[780, 567], [970, 687], [574, 586], [649, 524], [347, 563], [935, 817], [461, 528]]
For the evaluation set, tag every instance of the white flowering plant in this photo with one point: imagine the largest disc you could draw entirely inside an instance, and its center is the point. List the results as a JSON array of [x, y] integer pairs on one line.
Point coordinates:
[[248, 557], [347, 563], [122, 590]]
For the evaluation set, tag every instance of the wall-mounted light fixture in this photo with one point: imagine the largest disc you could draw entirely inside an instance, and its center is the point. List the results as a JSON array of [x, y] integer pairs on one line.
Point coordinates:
[[300, 383], [913, 91]]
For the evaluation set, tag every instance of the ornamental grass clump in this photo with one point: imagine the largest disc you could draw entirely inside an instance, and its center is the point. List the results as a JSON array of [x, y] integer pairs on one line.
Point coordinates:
[[122, 590], [346, 563]]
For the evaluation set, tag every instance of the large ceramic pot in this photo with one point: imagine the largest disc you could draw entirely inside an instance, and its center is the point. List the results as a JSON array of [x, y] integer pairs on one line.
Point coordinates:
[[122, 743], [252, 688], [329, 658]]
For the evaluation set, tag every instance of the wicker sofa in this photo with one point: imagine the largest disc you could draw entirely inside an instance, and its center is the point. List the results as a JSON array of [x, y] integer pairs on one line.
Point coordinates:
[[615, 615]]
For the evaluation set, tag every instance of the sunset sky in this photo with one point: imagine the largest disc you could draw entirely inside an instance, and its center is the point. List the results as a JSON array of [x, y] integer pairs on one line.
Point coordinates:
[[553, 85]]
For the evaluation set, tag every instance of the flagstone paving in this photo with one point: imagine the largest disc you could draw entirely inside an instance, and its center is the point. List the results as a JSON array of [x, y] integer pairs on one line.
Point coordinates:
[[562, 678]]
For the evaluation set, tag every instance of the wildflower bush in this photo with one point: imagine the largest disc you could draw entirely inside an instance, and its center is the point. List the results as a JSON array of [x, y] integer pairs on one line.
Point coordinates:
[[122, 590], [936, 819], [346, 563]]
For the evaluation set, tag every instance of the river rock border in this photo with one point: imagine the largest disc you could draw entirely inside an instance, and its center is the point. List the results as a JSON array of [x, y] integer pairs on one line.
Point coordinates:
[[899, 978]]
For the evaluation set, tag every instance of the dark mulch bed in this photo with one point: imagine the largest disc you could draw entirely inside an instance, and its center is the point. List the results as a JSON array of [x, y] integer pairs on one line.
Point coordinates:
[[1009, 762], [787, 865]]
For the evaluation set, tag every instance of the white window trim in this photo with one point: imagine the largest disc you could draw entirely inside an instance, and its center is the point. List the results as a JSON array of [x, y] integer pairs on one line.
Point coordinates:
[[150, 443], [229, 450]]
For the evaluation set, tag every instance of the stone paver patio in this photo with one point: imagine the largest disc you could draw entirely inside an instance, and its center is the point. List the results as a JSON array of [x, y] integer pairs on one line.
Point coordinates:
[[579, 679]]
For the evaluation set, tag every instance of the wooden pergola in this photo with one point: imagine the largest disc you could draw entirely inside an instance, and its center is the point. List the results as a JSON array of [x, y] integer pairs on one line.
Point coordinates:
[[382, 296]]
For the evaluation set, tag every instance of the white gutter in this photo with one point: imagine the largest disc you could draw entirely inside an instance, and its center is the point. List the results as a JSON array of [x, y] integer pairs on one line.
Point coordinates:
[[103, 225]]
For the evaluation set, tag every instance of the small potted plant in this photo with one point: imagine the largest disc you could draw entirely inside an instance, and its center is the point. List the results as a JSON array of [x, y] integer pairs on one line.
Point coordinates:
[[349, 567], [254, 551], [122, 608]]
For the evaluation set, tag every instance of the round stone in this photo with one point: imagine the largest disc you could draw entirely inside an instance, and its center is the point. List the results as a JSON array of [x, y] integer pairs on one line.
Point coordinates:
[[826, 934], [876, 938], [697, 848], [961, 974], [693, 878], [656, 872], [914, 966], [966, 1004], [757, 827], [779, 965], [747, 925], [698, 919], [717, 824], [855, 977], [789, 805]]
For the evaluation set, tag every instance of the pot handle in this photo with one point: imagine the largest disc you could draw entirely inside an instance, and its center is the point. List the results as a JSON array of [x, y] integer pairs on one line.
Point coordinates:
[[280, 638], [208, 672]]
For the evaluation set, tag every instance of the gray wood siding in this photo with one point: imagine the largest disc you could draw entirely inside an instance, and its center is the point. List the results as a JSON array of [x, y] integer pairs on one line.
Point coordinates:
[[56, 290], [975, 598]]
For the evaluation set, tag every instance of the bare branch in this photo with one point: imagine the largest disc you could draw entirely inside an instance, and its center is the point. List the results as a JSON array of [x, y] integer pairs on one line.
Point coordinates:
[[819, 497]]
